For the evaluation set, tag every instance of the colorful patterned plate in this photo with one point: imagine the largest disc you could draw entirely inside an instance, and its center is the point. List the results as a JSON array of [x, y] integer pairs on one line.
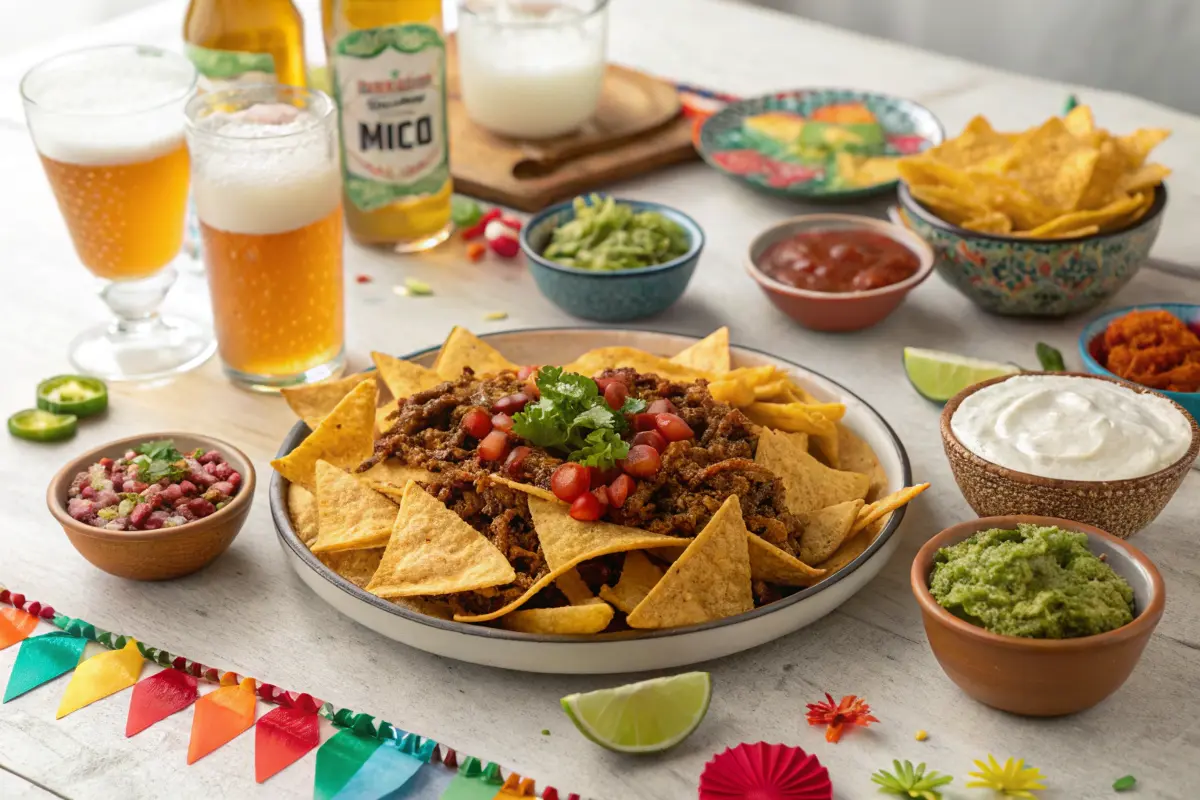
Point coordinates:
[[818, 143]]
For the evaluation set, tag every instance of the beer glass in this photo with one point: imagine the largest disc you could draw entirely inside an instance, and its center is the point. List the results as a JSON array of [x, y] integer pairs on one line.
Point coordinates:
[[268, 196], [108, 125]]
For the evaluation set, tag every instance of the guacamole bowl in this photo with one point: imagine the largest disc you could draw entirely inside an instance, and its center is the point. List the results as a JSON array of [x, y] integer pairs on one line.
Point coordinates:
[[1040, 677]]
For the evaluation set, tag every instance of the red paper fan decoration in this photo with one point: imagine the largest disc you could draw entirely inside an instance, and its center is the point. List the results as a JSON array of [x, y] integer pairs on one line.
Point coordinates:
[[765, 772]]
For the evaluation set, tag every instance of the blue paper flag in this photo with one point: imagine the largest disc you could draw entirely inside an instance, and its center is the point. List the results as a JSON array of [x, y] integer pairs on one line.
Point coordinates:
[[41, 659], [383, 776], [339, 759]]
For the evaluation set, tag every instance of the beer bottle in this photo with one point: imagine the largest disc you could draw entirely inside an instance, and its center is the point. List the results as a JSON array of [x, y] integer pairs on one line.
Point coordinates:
[[388, 69], [245, 41]]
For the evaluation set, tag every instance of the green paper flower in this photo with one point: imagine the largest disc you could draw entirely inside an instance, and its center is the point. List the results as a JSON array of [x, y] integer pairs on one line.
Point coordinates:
[[907, 781]]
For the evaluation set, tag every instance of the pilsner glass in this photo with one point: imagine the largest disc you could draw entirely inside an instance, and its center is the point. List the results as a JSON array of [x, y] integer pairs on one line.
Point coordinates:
[[268, 196], [108, 125]]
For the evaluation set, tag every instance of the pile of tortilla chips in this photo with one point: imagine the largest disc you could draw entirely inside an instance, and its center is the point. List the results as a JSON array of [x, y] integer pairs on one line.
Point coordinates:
[[384, 533], [1062, 179]]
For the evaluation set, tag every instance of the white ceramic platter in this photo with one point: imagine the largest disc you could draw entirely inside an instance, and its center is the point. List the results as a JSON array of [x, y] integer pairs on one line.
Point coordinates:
[[629, 651]]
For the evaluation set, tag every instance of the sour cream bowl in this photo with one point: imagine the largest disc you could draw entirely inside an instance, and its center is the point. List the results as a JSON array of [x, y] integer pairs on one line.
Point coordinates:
[[1103, 488]]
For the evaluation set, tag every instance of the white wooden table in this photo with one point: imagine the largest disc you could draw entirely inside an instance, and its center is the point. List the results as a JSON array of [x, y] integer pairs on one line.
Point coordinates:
[[248, 612]]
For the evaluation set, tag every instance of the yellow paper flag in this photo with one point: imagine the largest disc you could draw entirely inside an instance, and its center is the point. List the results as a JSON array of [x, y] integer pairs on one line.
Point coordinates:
[[101, 675]]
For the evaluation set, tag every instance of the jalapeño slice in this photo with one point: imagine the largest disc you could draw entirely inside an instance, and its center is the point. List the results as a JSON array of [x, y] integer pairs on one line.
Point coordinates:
[[38, 425], [72, 394]]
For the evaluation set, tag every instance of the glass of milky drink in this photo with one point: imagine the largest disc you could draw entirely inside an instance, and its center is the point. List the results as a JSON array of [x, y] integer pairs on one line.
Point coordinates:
[[532, 70], [108, 125], [268, 196]]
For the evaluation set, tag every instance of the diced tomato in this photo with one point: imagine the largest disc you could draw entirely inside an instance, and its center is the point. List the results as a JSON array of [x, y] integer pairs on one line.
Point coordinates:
[[477, 423], [661, 406], [601, 495], [502, 422], [494, 446], [570, 481], [106, 462], [673, 428], [644, 422], [604, 383], [602, 477], [615, 394], [512, 465], [526, 371], [643, 461], [511, 404], [620, 489], [586, 508], [652, 438], [476, 251]]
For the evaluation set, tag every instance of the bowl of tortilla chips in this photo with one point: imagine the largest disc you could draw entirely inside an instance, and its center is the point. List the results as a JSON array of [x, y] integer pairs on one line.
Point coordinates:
[[1045, 222], [779, 506]]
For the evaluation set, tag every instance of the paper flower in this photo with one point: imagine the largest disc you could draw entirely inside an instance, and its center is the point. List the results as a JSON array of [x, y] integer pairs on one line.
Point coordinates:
[[765, 772], [908, 781], [850, 711], [1014, 779]]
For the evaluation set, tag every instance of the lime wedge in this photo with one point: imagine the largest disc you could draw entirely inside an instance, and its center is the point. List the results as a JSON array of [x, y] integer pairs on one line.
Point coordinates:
[[939, 376], [646, 717]]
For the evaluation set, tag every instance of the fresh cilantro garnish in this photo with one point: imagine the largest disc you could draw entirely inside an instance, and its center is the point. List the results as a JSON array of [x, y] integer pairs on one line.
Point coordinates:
[[158, 460], [571, 415]]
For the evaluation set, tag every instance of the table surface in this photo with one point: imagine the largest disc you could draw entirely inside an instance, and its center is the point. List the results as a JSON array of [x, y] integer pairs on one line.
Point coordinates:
[[250, 613]]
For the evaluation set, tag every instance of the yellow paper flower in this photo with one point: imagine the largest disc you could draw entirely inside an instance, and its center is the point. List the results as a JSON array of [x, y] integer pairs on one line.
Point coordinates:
[[1014, 779]]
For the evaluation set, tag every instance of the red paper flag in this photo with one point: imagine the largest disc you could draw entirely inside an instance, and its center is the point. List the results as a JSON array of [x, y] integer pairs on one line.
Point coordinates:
[[158, 697], [219, 717], [15, 626], [282, 737]]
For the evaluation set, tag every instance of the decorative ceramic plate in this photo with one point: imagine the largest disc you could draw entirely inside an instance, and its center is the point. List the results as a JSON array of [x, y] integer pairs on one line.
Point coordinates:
[[626, 651], [818, 143]]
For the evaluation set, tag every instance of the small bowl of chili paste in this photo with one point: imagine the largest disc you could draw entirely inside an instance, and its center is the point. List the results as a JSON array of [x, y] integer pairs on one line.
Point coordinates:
[[838, 272]]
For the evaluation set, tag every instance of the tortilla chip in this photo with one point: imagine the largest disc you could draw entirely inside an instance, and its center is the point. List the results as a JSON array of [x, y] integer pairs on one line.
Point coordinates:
[[769, 563], [382, 424], [404, 378], [1075, 220], [423, 605], [638, 576], [345, 438], [826, 529], [313, 403], [432, 551], [596, 361], [590, 618], [851, 549], [395, 472], [803, 418], [886, 505], [356, 566], [527, 488], [577, 592], [855, 455], [711, 580], [464, 349], [798, 394], [810, 485], [351, 515], [566, 541], [710, 354], [302, 508]]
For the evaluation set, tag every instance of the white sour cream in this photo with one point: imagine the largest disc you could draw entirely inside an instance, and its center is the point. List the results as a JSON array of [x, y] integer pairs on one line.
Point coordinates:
[[1076, 429]]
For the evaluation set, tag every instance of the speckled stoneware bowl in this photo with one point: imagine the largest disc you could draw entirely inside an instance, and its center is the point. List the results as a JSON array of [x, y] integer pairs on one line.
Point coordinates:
[[617, 296], [1121, 507], [1035, 278]]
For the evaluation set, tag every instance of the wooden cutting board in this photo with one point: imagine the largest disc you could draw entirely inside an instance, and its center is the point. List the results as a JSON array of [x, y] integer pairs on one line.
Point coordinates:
[[637, 128]]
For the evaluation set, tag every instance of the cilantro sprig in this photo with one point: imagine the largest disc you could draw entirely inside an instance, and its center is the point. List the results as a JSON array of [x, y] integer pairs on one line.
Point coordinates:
[[571, 416], [159, 459]]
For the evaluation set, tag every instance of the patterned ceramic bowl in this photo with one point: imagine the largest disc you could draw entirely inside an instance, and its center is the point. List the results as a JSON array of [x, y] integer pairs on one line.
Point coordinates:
[[617, 296], [1035, 278]]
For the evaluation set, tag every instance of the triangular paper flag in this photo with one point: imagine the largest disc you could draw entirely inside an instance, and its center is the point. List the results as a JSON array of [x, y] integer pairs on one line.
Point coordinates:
[[282, 737], [101, 675], [43, 658], [15, 626], [474, 781], [220, 716], [158, 697], [350, 514], [385, 772], [338, 759], [345, 438]]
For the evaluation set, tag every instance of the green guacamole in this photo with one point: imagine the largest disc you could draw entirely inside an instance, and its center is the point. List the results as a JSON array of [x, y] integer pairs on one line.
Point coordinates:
[[1038, 582]]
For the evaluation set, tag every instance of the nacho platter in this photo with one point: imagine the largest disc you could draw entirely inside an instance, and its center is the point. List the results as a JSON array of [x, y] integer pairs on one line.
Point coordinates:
[[523, 640]]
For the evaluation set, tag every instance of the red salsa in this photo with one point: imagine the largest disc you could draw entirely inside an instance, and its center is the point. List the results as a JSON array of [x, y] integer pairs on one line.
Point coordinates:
[[839, 261]]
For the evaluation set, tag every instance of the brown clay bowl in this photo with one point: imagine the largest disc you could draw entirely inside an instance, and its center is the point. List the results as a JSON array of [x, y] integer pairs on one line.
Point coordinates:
[[1040, 677], [165, 553], [842, 311], [1121, 507]]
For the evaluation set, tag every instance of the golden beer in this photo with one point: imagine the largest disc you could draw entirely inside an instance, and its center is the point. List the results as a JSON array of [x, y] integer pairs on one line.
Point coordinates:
[[235, 42]]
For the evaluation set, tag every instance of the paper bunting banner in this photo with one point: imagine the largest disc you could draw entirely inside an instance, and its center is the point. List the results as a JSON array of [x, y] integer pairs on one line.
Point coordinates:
[[101, 675], [15, 626], [220, 716], [384, 772], [41, 659], [282, 737], [338, 760], [475, 781], [516, 787], [158, 697]]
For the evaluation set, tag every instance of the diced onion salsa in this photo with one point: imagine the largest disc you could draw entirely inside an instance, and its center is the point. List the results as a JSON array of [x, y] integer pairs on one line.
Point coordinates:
[[152, 486]]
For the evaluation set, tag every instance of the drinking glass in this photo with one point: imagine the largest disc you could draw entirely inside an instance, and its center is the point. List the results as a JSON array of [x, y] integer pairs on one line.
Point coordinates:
[[108, 125], [268, 196]]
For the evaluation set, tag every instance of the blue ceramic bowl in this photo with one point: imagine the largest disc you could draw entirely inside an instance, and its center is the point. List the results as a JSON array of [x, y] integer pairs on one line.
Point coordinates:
[[1094, 332], [617, 296], [1031, 277]]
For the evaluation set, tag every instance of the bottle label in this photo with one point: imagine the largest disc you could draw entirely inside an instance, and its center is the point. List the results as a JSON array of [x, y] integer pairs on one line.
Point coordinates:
[[390, 85], [225, 69]]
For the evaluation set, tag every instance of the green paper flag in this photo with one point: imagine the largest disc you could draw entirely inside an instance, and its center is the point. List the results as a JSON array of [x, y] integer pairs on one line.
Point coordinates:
[[338, 760], [474, 782], [41, 659]]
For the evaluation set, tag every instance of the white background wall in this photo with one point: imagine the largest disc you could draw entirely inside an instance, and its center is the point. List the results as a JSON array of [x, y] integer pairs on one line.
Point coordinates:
[[24, 22]]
